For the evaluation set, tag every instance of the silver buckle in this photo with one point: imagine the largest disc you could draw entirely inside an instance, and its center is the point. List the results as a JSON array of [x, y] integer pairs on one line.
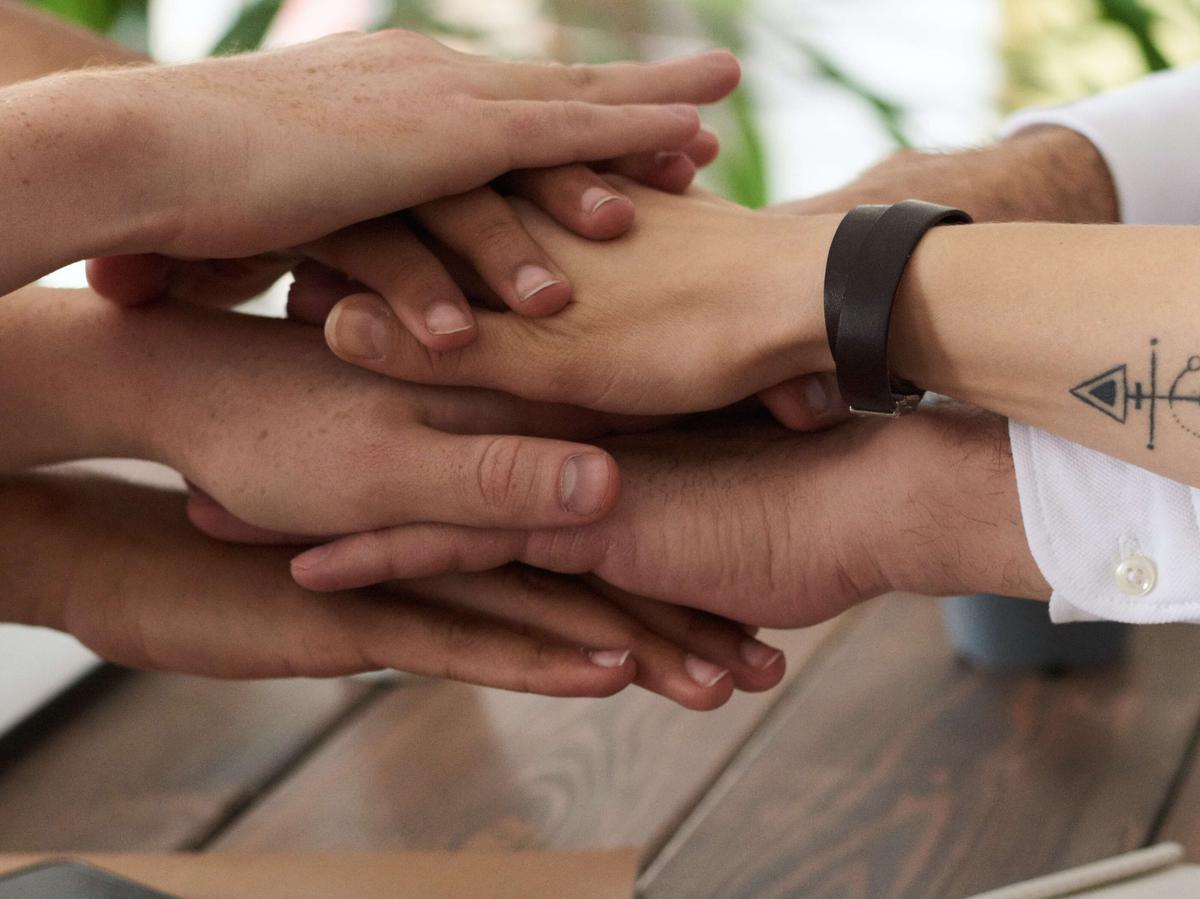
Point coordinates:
[[904, 405]]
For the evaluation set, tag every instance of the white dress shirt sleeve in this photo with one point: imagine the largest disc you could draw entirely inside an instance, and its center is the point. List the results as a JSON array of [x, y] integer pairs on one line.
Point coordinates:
[[1114, 541]]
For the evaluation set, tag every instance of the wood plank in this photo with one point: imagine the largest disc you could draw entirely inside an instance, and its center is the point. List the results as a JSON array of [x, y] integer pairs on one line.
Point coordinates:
[[445, 766], [153, 761], [1181, 813], [900, 773]]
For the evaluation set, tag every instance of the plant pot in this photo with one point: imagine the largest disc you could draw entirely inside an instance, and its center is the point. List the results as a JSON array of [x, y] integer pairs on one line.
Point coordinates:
[[1001, 633]]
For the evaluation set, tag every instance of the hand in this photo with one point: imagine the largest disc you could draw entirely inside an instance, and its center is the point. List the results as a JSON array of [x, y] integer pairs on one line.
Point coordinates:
[[117, 566], [252, 153], [260, 415], [702, 304], [767, 527], [479, 225]]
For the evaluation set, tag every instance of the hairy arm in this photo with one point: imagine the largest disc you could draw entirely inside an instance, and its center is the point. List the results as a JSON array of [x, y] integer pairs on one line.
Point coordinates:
[[1045, 174], [769, 527]]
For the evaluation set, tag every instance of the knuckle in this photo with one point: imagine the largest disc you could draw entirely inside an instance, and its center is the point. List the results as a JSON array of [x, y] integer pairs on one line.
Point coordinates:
[[402, 36], [569, 550], [461, 638], [577, 115], [438, 366], [502, 475], [580, 76], [499, 232], [545, 657], [530, 122]]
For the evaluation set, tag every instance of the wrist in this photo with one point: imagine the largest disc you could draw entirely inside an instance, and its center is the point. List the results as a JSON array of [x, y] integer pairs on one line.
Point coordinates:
[[793, 251], [1050, 174], [68, 380], [35, 550], [87, 147], [950, 470]]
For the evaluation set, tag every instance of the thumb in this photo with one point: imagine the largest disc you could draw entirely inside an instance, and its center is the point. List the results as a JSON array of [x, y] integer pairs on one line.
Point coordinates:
[[129, 280], [807, 403]]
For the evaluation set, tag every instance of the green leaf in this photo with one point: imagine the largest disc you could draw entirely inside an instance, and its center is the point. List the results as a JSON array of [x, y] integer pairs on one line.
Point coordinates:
[[251, 27], [95, 14], [1138, 19], [743, 166]]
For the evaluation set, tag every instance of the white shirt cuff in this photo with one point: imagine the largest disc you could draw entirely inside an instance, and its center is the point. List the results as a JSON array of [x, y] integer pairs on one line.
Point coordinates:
[[1114, 541], [1148, 134]]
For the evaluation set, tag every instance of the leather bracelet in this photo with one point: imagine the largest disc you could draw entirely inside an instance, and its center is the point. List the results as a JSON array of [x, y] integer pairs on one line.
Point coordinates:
[[866, 263]]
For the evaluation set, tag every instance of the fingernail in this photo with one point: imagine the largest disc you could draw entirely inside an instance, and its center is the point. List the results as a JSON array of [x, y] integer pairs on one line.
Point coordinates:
[[684, 111], [312, 558], [595, 197], [361, 333], [584, 483], [759, 655], [664, 159], [609, 658], [533, 279], [446, 318], [815, 394], [706, 674]]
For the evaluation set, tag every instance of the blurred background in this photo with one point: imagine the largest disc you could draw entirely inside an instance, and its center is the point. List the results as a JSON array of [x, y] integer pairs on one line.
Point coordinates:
[[831, 86]]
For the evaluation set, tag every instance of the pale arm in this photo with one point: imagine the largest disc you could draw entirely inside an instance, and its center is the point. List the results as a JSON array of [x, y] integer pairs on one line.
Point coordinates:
[[1091, 333], [61, 155]]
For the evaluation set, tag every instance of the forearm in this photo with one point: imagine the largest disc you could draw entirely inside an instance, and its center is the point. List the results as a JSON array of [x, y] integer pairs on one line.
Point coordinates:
[[57, 534], [1089, 333], [37, 44], [67, 393], [1046, 174], [77, 174], [57, 152]]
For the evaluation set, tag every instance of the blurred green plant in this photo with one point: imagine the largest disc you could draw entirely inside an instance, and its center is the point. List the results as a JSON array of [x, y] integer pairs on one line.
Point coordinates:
[[1138, 21]]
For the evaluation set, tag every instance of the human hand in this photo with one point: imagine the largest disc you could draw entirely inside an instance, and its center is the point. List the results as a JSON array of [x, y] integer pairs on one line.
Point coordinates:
[[479, 226], [116, 565], [702, 304], [258, 413], [248, 154], [764, 526]]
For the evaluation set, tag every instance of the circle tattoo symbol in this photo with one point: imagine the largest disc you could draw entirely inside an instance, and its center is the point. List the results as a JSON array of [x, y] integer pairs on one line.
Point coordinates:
[[1183, 399]]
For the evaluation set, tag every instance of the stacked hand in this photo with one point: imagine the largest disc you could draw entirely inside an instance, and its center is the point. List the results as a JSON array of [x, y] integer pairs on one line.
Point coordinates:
[[749, 523], [518, 328], [429, 128], [150, 592]]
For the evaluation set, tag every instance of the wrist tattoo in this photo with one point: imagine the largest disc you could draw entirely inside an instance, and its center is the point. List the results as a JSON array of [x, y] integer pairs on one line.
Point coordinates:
[[1178, 392]]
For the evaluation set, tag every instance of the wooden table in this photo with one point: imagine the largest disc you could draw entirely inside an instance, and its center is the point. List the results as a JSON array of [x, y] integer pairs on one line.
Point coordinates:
[[881, 768]]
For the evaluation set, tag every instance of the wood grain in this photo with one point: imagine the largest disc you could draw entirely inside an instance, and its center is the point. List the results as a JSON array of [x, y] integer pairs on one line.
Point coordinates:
[[153, 761], [445, 766], [899, 773], [1181, 815]]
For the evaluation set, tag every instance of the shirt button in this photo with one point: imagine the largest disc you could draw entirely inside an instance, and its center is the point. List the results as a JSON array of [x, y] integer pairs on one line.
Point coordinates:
[[1136, 576]]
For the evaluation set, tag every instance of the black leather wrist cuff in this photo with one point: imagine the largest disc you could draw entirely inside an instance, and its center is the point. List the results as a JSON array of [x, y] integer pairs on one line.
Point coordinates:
[[867, 259]]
